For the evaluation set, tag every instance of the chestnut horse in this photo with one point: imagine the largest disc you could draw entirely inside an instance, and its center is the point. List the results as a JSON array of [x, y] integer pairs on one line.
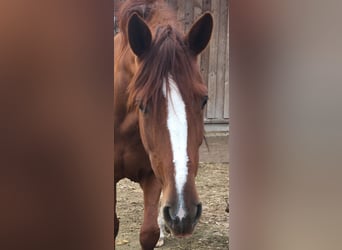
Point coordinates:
[[159, 96]]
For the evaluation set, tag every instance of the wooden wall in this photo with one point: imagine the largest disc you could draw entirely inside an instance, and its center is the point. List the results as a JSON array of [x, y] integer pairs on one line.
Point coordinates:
[[214, 60]]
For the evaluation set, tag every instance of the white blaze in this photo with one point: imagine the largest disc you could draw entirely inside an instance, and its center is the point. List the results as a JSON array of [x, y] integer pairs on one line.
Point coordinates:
[[178, 130]]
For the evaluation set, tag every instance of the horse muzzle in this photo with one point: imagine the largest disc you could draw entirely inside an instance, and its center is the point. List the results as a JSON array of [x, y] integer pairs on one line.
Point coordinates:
[[182, 227]]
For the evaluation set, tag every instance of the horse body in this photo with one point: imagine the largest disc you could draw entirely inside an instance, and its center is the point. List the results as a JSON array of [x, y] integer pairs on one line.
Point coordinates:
[[158, 114]]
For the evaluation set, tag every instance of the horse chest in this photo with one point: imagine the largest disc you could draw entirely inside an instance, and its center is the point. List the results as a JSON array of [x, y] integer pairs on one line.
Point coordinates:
[[131, 160]]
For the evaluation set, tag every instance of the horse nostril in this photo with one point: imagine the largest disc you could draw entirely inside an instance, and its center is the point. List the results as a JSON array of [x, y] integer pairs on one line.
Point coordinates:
[[198, 212]]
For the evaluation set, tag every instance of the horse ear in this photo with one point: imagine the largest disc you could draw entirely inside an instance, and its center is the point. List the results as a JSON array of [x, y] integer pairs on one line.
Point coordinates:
[[139, 35], [199, 35]]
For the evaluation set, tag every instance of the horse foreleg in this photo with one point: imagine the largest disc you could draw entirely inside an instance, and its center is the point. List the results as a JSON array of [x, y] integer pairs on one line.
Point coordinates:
[[149, 232], [116, 220], [161, 224]]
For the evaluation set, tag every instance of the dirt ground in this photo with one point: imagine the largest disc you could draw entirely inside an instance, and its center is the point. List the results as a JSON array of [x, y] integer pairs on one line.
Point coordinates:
[[212, 185]]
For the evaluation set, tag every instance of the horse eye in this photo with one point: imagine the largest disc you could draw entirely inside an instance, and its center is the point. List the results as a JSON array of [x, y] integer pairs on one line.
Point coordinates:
[[204, 101], [142, 108]]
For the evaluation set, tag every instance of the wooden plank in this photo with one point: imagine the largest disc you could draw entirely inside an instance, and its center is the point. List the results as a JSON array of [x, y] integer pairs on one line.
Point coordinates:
[[173, 4], [197, 13], [206, 6], [221, 56], [212, 73], [197, 9], [188, 14], [226, 77], [180, 11]]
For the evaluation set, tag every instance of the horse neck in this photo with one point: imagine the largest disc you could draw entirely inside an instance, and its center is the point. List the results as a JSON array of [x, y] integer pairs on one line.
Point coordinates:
[[124, 70]]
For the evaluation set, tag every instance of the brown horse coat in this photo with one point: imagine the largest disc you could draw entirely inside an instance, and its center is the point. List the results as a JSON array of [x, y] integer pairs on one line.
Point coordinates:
[[159, 97]]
